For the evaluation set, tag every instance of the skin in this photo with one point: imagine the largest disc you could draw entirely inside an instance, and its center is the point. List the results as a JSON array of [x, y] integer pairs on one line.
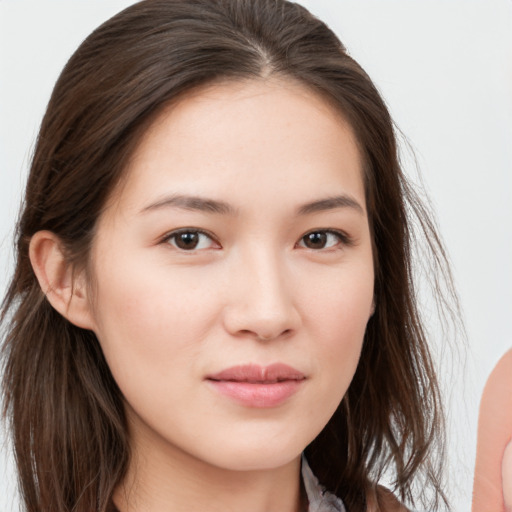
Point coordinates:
[[492, 488], [252, 291]]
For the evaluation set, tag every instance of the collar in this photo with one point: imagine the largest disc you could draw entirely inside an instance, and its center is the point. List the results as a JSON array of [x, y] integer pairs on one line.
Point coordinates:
[[320, 500]]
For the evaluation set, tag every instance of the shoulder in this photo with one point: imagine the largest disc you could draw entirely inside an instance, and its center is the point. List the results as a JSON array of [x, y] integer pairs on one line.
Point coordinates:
[[494, 433], [501, 376], [497, 396], [383, 500]]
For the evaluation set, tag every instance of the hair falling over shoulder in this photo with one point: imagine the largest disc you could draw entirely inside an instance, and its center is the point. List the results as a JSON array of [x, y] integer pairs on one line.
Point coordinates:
[[63, 407]]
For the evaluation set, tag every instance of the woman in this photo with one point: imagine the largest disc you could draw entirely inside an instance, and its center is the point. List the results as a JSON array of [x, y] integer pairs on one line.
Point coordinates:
[[214, 276], [492, 488]]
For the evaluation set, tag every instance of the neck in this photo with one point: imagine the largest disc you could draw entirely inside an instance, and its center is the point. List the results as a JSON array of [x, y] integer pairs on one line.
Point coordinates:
[[165, 479]]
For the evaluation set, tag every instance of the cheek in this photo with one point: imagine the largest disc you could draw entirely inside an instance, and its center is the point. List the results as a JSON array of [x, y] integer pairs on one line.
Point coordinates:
[[339, 316], [149, 319], [341, 307]]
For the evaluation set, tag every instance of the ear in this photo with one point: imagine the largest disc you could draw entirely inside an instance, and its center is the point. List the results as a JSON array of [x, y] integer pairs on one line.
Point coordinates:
[[65, 291]]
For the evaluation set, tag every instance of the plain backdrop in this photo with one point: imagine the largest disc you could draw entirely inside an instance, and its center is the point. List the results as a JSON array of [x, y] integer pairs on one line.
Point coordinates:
[[445, 70]]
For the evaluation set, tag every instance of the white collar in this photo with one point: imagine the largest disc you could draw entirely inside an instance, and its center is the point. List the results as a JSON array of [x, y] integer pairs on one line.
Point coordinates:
[[320, 500]]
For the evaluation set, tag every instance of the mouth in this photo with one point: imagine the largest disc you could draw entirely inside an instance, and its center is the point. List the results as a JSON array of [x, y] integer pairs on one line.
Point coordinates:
[[257, 386]]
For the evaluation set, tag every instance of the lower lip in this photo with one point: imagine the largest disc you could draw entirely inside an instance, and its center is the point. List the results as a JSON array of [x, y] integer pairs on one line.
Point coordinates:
[[257, 395]]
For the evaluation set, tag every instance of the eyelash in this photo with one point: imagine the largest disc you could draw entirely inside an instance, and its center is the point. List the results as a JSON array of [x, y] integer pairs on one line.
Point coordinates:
[[343, 238], [194, 231]]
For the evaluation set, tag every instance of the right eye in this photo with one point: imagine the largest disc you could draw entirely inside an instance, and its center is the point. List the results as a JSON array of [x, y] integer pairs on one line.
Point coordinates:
[[320, 239], [190, 240]]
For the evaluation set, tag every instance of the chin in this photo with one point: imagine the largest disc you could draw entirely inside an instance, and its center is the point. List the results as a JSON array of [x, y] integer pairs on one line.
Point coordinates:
[[256, 454], [259, 460]]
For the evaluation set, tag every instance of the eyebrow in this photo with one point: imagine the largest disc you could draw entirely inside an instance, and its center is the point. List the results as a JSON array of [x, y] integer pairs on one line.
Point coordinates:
[[331, 203], [196, 203]]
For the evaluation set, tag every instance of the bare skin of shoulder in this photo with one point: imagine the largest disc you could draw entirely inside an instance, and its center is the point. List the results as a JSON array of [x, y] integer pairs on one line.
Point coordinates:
[[506, 471], [492, 489]]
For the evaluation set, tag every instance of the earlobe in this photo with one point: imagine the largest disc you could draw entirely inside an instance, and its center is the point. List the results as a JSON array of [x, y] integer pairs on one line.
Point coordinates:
[[65, 291]]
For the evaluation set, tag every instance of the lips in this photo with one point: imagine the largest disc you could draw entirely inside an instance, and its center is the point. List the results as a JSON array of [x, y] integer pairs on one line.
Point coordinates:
[[259, 374], [257, 386]]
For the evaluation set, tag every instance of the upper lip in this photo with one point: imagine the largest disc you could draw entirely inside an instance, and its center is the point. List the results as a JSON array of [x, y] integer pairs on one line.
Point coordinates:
[[253, 373]]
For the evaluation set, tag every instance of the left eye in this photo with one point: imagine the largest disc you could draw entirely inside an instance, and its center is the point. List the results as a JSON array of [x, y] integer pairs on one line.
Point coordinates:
[[190, 240], [321, 239]]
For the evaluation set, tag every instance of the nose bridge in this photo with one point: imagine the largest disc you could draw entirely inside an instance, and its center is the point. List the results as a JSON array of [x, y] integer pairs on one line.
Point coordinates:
[[268, 273], [262, 303]]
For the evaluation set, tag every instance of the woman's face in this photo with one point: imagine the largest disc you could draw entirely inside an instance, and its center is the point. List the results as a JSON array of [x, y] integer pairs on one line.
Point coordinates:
[[233, 275]]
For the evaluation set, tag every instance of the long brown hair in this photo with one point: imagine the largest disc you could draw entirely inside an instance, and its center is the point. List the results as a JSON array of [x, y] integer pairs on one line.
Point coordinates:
[[65, 410]]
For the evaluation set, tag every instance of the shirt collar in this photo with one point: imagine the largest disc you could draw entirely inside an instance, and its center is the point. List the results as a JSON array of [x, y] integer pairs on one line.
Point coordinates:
[[320, 500]]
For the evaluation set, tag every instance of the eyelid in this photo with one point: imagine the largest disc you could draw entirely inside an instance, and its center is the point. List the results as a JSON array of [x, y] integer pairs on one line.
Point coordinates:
[[175, 232], [344, 238]]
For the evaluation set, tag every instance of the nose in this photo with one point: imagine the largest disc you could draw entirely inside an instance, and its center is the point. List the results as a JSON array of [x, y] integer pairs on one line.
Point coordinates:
[[261, 303]]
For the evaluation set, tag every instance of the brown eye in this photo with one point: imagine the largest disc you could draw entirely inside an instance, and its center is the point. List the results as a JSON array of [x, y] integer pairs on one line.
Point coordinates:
[[320, 240], [190, 240]]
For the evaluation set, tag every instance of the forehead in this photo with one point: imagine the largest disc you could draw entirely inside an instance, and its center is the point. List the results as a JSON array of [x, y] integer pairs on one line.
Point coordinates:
[[260, 134]]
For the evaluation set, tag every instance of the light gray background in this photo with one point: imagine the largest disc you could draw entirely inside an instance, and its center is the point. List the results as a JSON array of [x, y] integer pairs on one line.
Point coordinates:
[[445, 70]]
